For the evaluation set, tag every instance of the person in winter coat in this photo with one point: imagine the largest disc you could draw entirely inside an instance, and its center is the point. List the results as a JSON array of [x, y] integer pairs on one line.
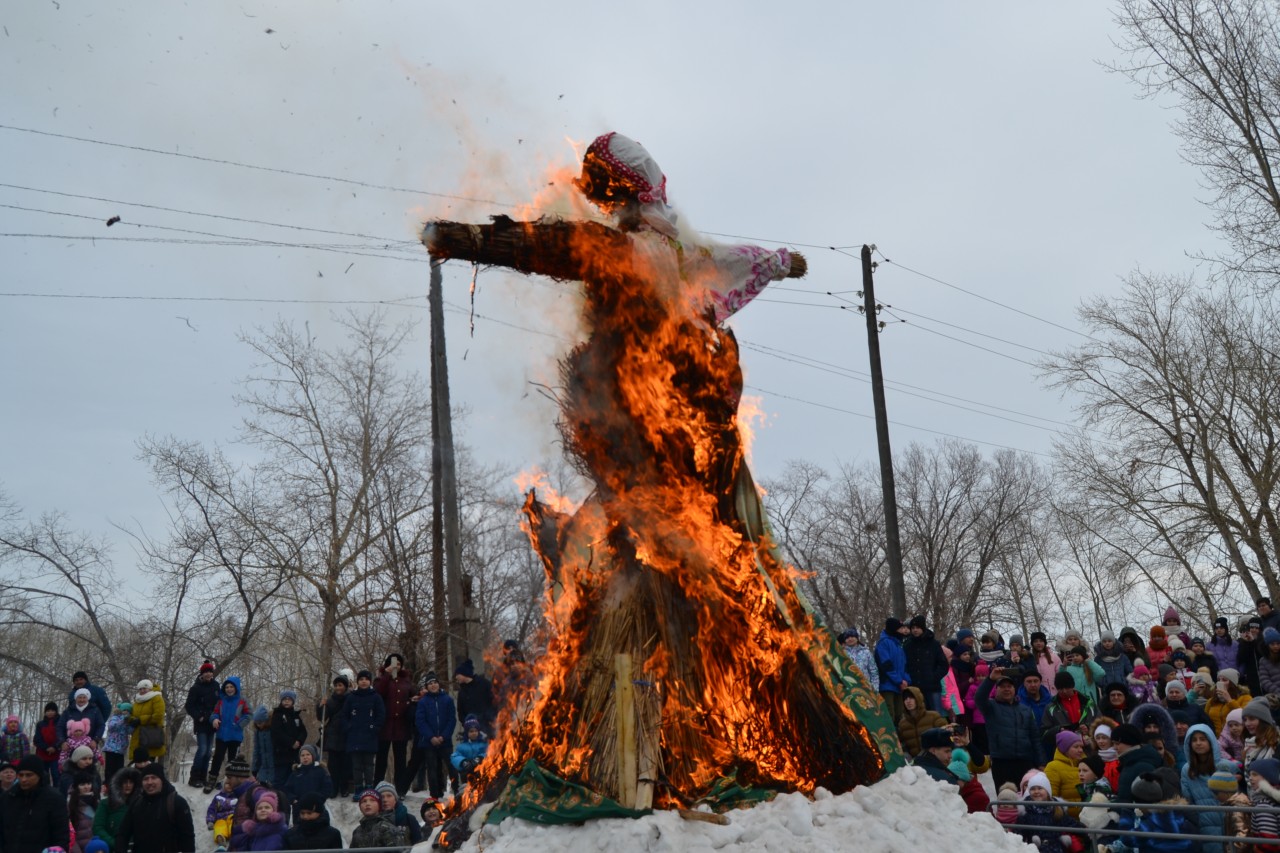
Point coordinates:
[[475, 697], [312, 830], [46, 743], [219, 818], [148, 710], [1132, 644], [115, 745], [1070, 709], [471, 750], [860, 656], [1201, 749], [1158, 786], [1012, 734], [123, 790], [1226, 697], [1264, 792], [227, 720], [362, 717], [264, 756], [97, 696], [935, 756], [1154, 718], [1050, 819], [1221, 644], [266, 829], [1140, 685], [892, 663], [1044, 660], [309, 776], [81, 708], [1033, 694], [1231, 741], [245, 790], [1263, 740], [1109, 654], [1269, 663], [332, 739], [160, 821], [1175, 699], [395, 685], [14, 743], [1157, 647], [434, 722], [1088, 675], [81, 806], [288, 734], [376, 828], [926, 664], [81, 760], [400, 816], [201, 699], [1063, 771], [953, 706], [1135, 759], [33, 816], [916, 719], [974, 795], [1117, 702], [962, 671], [78, 736]]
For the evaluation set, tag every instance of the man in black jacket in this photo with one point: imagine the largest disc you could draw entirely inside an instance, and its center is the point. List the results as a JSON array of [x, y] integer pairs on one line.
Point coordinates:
[[201, 699], [926, 663], [936, 755], [33, 815], [159, 821], [475, 697], [1013, 736]]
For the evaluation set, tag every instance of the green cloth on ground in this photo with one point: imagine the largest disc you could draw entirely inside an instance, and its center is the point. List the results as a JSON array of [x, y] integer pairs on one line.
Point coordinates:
[[534, 794]]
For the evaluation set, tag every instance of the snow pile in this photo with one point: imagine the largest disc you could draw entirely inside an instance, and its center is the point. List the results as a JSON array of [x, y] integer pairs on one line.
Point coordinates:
[[908, 811]]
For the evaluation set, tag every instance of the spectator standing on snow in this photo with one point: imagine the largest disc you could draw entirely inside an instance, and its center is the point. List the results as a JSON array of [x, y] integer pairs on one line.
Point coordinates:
[[230, 714], [97, 696], [861, 656], [475, 697], [395, 685], [288, 734], [892, 663], [160, 821], [332, 738], [363, 715], [202, 696], [1013, 736], [926, 664], [434, 722]]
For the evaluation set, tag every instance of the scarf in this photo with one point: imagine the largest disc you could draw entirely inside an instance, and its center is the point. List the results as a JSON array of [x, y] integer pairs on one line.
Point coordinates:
[[1108, 755]]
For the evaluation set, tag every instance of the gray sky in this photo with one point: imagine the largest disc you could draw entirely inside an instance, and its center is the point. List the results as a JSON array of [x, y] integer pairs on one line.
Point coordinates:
[[980, 144]]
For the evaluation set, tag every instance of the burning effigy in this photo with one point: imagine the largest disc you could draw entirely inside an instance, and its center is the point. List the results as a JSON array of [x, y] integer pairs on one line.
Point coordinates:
[[683, 665]]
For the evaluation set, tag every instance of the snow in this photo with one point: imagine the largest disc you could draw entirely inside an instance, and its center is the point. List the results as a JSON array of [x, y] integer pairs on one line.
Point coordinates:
[[907, 811]]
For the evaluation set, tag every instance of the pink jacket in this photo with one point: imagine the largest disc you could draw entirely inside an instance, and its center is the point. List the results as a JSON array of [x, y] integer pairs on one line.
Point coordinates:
[[1048, 669]]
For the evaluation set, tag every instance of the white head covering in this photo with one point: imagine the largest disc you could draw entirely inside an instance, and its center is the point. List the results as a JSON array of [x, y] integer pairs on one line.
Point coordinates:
[[629, 160]]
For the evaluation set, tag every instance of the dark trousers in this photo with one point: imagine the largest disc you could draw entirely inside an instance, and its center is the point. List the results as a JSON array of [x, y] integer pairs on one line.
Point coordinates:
[[340, 771], [435, 759], [893, 704], [1009, 770], [115, 761], [362, 770], [398, 749], [223, 750]]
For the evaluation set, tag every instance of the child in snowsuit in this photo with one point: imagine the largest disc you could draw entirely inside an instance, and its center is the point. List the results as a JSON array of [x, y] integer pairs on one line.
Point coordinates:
[[230, 713], [468, 754], [115, 745], [288, 734], [1049, 816], [14, 744], [222, 809], [1160, 786], [78, 736], [45, 741], [266, 829], [309, 776]]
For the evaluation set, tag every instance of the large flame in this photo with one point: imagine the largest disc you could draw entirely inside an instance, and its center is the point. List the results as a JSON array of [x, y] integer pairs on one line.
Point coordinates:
[[668, 562]]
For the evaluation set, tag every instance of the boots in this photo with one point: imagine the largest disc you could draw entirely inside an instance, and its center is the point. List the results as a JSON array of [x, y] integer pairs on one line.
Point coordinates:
[[209, 784], [197, 778]]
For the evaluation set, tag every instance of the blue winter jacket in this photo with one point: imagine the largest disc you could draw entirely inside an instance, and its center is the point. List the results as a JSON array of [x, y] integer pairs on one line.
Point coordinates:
[[307, 779], [1196, 790], [233, 712], [1012, 731], [362, 718], [97, 698], [264, 761], [1037, 706], [476, 749], [892, 661], [435, 717], [1160, 821]]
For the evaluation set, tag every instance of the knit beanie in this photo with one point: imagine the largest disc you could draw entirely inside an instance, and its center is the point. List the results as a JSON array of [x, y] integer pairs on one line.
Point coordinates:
[[1039, 635], [1007, 811], [1171, 615], [80, 753], [892, 624], [467, 669], [1147, 789], [1127, 734], [1259, 710], [1175, 687], [291, 695], [1065, 740], [369, 792], [96, 845], [383, 787], [1039, 780], [963, 634], [1062, 679], [1102, 729], [1096, 764], [1231, 675], [1140, 671], [1175, 643], [1219, 781], [30, 764], [1236, 716], [1267, 768], [1165, 671], [1270, 635], [1016, 640], [266, 795], [1156, 631], [238, 768], [311, 748], [960, 765]]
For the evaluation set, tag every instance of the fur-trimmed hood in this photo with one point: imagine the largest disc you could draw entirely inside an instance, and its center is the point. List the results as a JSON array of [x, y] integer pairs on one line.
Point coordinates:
[[1168, 732], [115, 788]]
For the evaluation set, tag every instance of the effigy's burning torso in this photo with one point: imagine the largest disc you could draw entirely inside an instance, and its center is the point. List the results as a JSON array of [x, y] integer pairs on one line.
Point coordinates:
[[681, 660]]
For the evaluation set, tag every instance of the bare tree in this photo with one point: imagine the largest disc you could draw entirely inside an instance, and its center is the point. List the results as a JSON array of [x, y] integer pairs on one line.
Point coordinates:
[[1220, 59], [1180, 391], [342, 437]]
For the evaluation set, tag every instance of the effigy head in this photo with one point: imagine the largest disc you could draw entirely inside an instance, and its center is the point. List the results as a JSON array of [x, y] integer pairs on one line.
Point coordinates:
[[619, 173]]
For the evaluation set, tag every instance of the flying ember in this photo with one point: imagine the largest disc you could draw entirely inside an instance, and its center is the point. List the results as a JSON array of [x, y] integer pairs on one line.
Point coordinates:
[[683, 666]]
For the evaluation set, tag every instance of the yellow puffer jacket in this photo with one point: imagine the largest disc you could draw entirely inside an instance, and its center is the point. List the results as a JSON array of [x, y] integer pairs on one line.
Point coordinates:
[[1217, 711], [1064, 776], [148, 708]]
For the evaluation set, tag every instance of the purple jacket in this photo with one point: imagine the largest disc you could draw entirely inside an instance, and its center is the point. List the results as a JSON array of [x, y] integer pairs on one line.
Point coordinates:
[[1224, 649]]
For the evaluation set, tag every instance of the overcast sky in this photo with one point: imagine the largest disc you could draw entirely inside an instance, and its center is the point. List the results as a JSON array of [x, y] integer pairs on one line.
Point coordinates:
[[980, 144]]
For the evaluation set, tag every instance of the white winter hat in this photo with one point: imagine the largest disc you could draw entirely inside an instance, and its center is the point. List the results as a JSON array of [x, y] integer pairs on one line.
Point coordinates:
[[82, 692], [145, 684]]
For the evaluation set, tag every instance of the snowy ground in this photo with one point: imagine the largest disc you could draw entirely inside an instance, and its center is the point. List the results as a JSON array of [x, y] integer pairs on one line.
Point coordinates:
[[906, 812]]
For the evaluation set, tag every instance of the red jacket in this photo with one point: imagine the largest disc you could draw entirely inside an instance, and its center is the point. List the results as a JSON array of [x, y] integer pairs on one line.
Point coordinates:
[[975, 796], [397, 695]]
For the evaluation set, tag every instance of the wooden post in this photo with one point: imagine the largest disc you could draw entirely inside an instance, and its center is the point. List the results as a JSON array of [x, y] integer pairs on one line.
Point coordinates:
[[624, 709]]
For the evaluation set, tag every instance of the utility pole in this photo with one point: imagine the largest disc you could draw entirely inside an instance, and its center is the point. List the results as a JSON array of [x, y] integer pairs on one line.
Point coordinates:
[[460, 629], [892, 545]]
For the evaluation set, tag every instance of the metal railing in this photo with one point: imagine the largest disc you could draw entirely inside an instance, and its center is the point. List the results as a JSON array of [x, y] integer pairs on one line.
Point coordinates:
[[1134, 833]]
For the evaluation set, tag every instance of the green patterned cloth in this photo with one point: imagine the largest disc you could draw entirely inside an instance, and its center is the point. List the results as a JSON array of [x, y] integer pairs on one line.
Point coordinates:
[[536, 795]]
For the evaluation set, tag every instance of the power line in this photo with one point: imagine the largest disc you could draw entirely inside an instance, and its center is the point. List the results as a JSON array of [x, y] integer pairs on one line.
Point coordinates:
[[399, 302], [966, 343], [902, 310], [986, 298], [895, 423]]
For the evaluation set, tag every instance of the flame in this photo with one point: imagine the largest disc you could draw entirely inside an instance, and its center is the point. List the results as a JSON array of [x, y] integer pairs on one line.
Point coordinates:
[[668, 563], [751, 418], [536, 479]]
